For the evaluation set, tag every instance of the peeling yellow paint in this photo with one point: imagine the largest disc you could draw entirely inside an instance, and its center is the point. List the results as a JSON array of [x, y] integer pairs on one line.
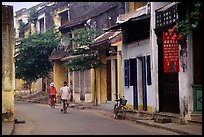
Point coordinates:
[[59, 75]]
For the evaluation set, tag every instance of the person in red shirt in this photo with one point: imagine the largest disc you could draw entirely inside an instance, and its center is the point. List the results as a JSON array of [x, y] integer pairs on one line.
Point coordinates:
[[53, 92]]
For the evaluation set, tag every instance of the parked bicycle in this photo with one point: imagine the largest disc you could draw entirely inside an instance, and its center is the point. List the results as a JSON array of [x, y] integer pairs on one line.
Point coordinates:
[[119, 108]]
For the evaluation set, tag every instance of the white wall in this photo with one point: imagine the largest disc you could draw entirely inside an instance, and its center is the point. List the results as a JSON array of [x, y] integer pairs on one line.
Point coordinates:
[[133, 50], [154, 52], [185, 89], [185, 82]]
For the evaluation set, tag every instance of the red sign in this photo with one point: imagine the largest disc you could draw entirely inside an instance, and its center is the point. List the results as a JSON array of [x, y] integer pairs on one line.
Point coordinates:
[[171, 53]]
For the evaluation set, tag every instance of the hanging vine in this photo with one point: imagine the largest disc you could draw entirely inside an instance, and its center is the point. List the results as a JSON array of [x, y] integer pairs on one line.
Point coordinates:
[[181, 30], [184, 27]]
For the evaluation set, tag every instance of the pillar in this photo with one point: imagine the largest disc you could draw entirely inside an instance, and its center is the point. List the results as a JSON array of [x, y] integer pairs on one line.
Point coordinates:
[[8, 67]]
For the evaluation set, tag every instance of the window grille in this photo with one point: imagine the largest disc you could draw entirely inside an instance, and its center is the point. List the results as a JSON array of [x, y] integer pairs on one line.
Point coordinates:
[[167, 17]]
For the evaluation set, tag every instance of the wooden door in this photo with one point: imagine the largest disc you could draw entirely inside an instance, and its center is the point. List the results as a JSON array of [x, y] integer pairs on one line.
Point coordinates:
[[168, 85]]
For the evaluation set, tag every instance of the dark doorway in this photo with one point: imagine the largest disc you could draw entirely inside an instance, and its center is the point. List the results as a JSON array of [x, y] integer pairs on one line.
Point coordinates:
[[168, 85], [108, 70], [116, 77]]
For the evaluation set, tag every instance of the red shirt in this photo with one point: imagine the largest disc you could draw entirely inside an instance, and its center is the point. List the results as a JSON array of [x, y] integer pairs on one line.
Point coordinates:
[[53, 91]]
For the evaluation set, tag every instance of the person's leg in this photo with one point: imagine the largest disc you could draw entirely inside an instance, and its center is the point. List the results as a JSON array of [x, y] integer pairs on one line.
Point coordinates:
[[63, 105], [66, 105], [50, 99]]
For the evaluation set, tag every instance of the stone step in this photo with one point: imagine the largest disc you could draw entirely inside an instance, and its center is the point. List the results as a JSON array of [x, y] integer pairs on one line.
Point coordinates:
[[196, 118], [168, 117], [160, 119]]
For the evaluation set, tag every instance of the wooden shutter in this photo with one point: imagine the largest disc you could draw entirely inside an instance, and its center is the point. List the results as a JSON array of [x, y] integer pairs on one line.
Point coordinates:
[[126, 64]]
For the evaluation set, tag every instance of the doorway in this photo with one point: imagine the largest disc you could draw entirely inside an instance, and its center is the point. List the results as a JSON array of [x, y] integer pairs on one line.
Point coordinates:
[[167, 84]]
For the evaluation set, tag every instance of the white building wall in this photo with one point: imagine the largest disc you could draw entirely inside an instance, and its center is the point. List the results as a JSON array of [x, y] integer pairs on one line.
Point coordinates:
[[134, 50], [185, 82], [185, 78], [154, 52]]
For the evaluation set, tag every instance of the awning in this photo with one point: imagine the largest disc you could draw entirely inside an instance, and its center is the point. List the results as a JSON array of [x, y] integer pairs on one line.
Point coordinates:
[[136, 19], [132, 14], [168, 6]]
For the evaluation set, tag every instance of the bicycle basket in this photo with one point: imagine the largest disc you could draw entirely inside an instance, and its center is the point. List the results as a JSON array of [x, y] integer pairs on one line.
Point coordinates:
[[123, 101]]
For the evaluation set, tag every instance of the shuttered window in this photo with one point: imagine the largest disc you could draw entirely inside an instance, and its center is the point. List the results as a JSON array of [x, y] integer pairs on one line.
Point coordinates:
[[126, 67], [149, 81]]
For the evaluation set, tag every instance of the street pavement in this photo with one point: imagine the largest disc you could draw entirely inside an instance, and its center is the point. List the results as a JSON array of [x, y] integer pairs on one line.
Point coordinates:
[[106, 109]]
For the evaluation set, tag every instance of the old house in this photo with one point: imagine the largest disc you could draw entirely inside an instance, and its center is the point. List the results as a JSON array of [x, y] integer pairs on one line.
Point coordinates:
[[179, 92], [136, 57], [47, 17], [102, 16], [23, 28], [148, 83], [108, 76]]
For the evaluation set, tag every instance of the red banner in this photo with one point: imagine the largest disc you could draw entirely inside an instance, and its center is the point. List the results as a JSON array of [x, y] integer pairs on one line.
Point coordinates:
[[171, 53]]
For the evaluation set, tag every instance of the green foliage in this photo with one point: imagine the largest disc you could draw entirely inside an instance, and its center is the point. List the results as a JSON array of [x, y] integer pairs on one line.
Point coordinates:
[[21, 28], [33, 16], [32, 53], [88, 57], [185, 26]]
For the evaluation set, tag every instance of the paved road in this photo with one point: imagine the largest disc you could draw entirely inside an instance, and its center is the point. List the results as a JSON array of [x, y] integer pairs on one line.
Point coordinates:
[[43, 120]]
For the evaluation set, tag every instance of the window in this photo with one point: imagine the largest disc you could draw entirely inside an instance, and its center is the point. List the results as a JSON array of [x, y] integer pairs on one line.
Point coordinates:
[[64, 17], [41, 23]]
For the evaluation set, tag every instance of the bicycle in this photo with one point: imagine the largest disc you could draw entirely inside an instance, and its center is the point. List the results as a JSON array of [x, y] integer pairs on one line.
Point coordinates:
[[53, 102], [119, 108]]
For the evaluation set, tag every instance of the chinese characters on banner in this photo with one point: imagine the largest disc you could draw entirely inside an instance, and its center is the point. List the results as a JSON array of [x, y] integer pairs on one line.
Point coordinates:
[[171, 53]]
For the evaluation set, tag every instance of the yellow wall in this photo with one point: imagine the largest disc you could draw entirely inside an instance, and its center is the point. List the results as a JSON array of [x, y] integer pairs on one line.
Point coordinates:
[[19, 84], [101, 77], [56, 17], [136, 5], [36, 86], [102, 80], [92, 84], [59, 75], [119, 65]]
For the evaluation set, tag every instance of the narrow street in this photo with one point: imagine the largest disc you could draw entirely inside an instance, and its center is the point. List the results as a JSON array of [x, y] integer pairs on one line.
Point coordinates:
[[41, 119]]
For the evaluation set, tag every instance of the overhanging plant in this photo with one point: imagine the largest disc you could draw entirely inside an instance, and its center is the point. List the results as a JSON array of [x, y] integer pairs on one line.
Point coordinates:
[[181, 30], [184, 27]]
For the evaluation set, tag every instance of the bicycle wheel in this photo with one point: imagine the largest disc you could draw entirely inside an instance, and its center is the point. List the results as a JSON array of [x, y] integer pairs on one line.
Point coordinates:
[[53, 102], [115, 111], [123, 112]]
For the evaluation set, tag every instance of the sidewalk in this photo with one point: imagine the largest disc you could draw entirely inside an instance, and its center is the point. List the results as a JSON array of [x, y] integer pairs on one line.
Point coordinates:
[[188, 129], [7, 128]]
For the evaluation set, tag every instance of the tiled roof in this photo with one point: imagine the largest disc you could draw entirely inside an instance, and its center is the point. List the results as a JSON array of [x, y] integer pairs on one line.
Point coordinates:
[[57, 53], [104, 38], [91, 14]]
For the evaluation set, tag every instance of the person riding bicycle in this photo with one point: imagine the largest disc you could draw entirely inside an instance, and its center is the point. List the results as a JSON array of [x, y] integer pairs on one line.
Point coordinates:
[[64, 92], [52, 92]]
